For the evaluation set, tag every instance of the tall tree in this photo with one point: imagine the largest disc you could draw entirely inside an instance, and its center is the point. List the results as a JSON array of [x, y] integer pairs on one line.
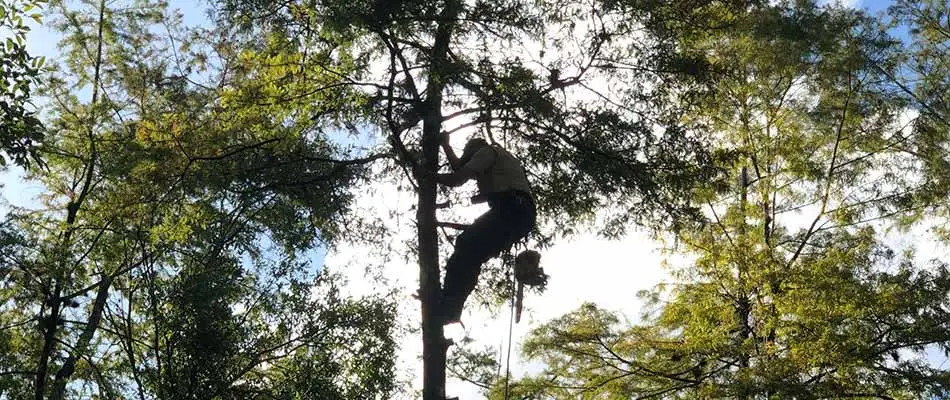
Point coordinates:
[[793, 293], [172, 258], [530, 74]]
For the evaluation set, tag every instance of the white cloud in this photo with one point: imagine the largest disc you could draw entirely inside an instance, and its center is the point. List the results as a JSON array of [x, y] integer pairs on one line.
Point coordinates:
[[844, 3]]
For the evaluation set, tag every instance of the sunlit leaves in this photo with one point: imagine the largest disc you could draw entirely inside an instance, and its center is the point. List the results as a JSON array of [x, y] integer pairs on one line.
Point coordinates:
[[20, 129], [202, 207], [791, 291]]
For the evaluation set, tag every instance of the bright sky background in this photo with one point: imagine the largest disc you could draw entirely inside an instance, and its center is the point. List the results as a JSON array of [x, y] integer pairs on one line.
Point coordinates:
[[584, 268]]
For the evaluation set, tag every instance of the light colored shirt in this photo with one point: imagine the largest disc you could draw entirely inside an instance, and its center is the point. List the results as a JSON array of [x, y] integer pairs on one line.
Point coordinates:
[[496, 170]]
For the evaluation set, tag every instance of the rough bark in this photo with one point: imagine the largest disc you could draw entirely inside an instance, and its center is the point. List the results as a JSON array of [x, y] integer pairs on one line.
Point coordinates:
[[434, 345]]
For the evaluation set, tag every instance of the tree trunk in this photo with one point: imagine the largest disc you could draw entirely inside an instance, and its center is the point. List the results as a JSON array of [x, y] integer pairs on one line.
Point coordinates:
[[64, 373], [433, 341], [49, 324], [744, 302], [433, 348]]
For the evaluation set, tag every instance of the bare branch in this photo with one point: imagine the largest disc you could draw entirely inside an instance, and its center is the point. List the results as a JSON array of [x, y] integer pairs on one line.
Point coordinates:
[[453, 225], [828, 176]]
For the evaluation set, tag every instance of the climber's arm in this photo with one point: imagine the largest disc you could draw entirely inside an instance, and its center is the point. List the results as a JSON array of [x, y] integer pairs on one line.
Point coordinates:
[[480, 162], [454, 161]]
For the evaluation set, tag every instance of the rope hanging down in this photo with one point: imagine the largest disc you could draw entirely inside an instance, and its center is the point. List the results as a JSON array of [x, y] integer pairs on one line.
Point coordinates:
[[510, 330]]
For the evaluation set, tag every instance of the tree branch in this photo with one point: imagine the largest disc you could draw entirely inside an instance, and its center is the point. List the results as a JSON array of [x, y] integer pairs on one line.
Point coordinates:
[[453, 225], [64, 373], [828, 176]]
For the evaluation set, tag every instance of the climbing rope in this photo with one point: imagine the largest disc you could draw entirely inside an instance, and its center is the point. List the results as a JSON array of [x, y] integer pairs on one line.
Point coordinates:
[[511, 325], [513, 277]]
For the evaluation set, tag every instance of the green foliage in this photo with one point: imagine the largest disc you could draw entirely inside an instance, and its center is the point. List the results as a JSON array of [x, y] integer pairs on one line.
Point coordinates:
[[561, 84], [20, 129], [172, 256], [193, 171], [924, 77], [792, 292], [583, 156], [568, 87]]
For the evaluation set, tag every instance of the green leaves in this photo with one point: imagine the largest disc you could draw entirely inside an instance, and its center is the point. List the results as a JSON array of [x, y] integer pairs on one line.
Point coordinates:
[[211, 161], [793, 292], [200, 204], [20, 129]]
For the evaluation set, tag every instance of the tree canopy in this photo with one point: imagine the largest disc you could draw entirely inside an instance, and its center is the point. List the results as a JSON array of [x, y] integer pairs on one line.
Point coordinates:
[[794, 291], [194, 176], [170, 257]]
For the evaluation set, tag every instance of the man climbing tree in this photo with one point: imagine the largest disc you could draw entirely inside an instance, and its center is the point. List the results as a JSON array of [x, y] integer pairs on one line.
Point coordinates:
[[502, 183], [430, 67]]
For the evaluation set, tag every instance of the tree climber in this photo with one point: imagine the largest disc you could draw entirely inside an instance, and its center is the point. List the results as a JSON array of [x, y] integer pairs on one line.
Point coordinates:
[[502, 183]]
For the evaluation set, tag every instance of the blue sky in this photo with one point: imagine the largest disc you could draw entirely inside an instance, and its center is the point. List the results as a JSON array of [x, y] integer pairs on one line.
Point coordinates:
[[42, 41]]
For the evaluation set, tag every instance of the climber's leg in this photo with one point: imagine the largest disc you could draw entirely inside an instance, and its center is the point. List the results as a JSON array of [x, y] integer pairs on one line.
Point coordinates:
[[510, 219], [473, 247]]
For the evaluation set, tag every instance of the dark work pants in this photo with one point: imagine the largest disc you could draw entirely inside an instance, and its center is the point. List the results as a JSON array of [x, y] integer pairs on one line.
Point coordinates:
[[510, 219]]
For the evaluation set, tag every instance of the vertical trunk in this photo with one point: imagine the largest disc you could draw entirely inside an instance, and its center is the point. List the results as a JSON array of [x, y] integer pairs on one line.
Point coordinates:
[[130, 342], [153, 301], [744, 304], [49, 326], [50, 322], [433, 350], [64, 373], [433, 342]]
